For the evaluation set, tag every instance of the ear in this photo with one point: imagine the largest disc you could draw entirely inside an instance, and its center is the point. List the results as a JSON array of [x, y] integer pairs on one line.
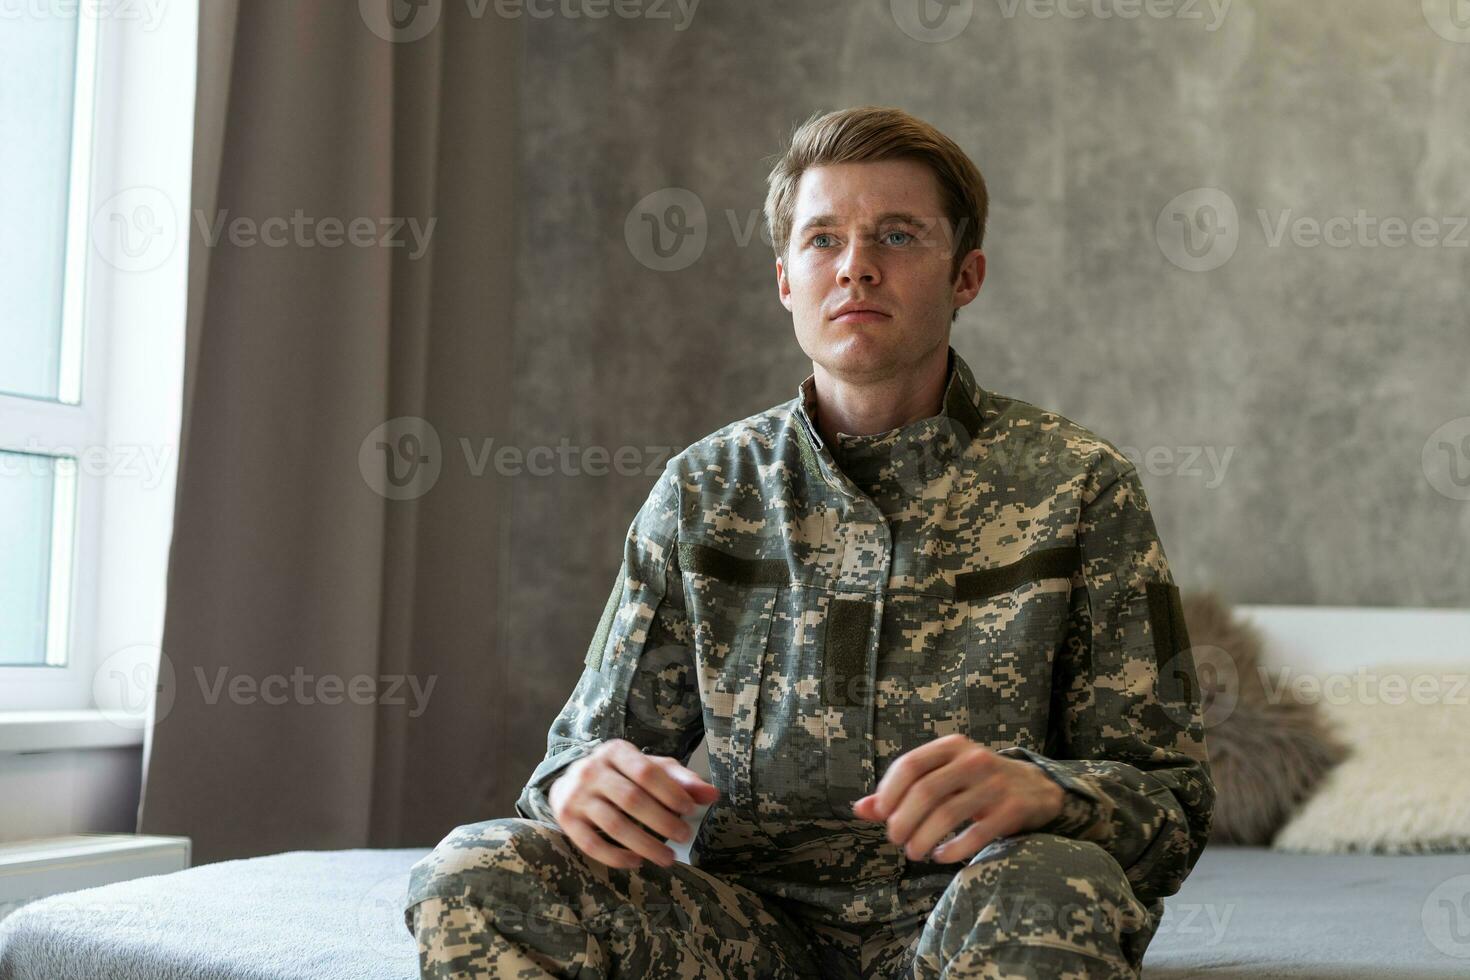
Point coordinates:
[[783, 287], [971, 276]]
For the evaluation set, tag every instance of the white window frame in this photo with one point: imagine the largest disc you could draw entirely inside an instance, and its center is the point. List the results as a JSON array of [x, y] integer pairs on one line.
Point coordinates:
[[132, 133]]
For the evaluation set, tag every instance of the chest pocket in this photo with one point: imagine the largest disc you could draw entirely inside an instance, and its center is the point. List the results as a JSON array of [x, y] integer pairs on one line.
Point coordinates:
[[731, 603], [1018, 617]]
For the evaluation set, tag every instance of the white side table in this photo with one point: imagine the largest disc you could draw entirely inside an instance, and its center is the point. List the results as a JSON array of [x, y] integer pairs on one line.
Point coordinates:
[[34, 869]]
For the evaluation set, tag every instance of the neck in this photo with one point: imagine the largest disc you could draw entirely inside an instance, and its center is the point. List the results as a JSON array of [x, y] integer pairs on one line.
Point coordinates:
[[863, 408]]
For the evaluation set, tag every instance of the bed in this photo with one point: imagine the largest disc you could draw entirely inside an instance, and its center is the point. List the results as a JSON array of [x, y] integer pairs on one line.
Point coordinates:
[[1245, 912]]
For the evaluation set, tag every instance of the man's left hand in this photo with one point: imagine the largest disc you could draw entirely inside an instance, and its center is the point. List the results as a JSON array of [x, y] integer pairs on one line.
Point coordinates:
[[933, 789]]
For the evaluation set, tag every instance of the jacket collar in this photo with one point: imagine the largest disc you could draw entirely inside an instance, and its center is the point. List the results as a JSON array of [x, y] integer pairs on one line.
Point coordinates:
[[964, 401]]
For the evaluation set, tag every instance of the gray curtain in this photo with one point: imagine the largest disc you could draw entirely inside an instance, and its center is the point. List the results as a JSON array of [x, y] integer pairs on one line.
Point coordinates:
[[296, 572]]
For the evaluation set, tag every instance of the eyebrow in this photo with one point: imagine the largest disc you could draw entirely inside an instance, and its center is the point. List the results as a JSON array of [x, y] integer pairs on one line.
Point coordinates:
[[828, 220]]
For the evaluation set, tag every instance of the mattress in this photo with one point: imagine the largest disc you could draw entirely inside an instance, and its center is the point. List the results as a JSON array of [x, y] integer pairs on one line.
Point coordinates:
[[1254, 912], [324, 915], [337, 915]]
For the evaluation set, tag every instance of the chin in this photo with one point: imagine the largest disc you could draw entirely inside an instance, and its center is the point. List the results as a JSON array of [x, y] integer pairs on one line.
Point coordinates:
[[862, 348]]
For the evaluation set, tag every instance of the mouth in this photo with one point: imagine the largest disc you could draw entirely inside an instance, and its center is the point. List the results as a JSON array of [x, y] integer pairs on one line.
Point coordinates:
[[861, 316]]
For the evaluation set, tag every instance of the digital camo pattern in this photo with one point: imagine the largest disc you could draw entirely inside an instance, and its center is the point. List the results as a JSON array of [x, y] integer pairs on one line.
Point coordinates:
[[514, 898], [816, 611]]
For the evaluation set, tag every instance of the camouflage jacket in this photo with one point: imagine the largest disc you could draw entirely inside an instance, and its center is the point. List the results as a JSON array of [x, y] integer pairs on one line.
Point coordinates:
[[815, 611]]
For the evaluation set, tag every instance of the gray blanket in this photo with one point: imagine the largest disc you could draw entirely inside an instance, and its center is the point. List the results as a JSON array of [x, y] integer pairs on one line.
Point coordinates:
[[312, 915], [1252, 912], [336, 915]]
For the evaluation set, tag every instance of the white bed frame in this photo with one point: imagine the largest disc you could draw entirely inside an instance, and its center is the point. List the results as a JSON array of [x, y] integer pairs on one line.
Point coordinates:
[[1335, 638]]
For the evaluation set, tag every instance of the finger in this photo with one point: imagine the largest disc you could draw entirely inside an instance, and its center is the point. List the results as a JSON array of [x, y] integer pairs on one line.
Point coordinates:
[[699, 789], [970, 767], [632, 800], [910, 767], [585, 836], [951, 814], [624, 831], [995, 822], [928, 793], [702, 792], [651, 775]]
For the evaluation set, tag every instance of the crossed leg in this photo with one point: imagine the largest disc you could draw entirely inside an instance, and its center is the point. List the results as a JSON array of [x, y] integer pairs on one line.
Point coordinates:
[[1033, 905], [1025, 907], [515, 898]]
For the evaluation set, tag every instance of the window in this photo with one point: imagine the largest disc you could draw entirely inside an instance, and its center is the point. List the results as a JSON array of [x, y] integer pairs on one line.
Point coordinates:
[[96, 119]]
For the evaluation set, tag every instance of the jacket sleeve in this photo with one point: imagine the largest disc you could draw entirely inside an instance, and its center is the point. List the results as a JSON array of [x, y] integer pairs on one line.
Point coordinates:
[[638, 680], [1127, 738]]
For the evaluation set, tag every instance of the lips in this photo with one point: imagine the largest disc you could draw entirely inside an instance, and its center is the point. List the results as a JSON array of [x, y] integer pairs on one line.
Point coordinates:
[[858, 312], [860, 316]]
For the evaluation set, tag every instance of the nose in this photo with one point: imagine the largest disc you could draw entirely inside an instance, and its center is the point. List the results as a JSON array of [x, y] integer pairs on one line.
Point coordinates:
[[858, 264]]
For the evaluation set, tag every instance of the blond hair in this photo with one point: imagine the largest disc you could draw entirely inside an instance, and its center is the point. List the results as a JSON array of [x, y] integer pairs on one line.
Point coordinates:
[[869, 133]]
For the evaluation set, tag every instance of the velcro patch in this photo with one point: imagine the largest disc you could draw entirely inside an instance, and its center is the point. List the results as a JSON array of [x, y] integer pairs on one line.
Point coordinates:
[[845, 647]]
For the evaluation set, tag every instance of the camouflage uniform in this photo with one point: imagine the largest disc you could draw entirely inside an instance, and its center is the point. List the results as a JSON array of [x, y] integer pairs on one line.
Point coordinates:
[[814, 612]]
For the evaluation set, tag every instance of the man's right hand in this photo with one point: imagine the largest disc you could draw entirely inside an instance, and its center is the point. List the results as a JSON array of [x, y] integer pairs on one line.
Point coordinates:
[[617, 782]]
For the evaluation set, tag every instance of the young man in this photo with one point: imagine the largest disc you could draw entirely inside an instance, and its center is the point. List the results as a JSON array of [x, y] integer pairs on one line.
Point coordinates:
[[904, 611]]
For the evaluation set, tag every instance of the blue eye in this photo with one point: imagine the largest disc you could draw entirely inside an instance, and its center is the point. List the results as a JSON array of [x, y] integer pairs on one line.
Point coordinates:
[[820, 235], [903, 233]]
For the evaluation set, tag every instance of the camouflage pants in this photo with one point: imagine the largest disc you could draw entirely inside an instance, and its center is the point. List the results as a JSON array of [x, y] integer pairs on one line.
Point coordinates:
[[515, 898]]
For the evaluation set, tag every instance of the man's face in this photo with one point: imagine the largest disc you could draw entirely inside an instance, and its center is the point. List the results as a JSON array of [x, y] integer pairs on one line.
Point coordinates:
[[875, 234]]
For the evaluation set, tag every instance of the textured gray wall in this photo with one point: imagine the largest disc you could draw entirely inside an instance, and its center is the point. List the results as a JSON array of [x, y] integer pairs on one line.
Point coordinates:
[[1321, 371]]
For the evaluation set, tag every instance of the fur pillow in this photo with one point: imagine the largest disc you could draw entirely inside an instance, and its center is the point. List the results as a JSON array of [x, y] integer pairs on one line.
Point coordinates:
[[1402, 790], [1267, 753]]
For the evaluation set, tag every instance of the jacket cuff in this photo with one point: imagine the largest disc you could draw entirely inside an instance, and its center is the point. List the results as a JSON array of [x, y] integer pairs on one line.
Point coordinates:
[[1080, 813], [535, 801]]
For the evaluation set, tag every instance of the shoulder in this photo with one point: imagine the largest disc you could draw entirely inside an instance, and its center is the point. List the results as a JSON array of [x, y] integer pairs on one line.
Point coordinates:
[[1019, 430], [742, 446]]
